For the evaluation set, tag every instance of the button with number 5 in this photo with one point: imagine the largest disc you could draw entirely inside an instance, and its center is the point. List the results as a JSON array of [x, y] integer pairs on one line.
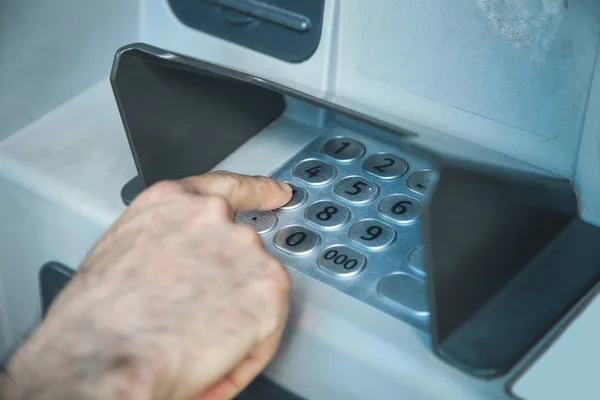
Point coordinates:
[[342, 261], [372, 234], [356, 189], [315, 172], [385, 166], [327, 214], [400, 208]]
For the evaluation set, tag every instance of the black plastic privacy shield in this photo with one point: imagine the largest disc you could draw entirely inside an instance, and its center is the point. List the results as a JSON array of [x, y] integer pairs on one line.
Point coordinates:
[[507, 258], [288, 30]]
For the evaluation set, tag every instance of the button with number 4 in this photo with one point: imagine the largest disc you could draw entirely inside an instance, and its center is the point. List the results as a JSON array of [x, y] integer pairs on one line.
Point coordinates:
[[327, 214], [315, 172], [343, 149], [356, 189], [342, 261], [400, 208], [296, 240], [372, 234], [385, 166]]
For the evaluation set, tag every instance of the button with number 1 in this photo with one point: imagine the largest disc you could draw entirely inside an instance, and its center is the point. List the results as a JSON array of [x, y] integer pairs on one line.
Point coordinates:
[[343, 149], [400, 208], [315, 172]]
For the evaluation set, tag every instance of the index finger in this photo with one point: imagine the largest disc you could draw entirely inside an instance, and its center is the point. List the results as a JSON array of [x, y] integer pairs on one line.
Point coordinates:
[[243, 192]]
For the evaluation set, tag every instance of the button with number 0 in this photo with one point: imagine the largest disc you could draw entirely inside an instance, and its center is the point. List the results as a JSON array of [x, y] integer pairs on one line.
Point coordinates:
[[315, 172], [296, 240], [343, 149], [327, 214], [356, 189], [261, 221], [298, 198], [385, 166], [342, 261], [421, 181], [400, 208], [372, 234]]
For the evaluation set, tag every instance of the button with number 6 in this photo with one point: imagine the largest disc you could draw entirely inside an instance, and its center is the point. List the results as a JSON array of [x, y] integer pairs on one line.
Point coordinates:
[[315, 172], [400, 208], [356, 189], [372, 234], [327, 214], [342, 261]]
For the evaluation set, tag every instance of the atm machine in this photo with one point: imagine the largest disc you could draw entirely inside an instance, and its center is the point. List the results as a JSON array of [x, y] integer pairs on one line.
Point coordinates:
[[443, 239]]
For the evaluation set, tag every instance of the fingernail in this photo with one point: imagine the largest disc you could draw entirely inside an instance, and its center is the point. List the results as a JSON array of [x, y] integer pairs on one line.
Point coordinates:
[[285, 186]]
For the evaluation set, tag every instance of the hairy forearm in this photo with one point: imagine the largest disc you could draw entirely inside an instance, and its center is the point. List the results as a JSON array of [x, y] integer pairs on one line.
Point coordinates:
[[74, 369]]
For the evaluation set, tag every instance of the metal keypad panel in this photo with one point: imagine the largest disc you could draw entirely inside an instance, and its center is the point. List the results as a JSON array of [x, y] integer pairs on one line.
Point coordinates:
[[353, 221]]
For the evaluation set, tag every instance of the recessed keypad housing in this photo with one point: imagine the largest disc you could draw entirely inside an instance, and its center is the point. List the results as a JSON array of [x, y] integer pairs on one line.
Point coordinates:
[[353, 221]]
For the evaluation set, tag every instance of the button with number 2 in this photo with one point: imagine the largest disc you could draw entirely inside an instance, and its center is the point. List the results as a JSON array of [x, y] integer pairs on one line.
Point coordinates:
[[385, 166], [315, 172], [400, 208]]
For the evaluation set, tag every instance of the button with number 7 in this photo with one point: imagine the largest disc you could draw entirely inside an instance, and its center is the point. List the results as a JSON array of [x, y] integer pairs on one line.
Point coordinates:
[[400, 208]]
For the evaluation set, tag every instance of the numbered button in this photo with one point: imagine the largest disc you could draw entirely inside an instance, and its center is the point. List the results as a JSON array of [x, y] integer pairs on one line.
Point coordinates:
[[421, 181], [416, 260], [261, 221], [356, 189], [372, 234], [342, 261], [344, 149], [298, 198], [385, 166], [400, 208], [315, 172], [296, 240], [327, 214]]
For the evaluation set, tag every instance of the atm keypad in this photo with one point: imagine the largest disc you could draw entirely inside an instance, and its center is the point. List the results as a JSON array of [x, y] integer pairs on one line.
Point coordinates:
[[353, 221]]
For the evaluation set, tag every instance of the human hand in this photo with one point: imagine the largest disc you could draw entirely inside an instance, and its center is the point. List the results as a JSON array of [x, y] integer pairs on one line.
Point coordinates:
[[174, 302]]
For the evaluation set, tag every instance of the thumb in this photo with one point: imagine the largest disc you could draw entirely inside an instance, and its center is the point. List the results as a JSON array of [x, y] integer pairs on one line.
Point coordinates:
[[243, 192]]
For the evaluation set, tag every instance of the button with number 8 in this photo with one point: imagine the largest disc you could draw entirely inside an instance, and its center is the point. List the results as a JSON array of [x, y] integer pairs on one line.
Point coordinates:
[[372, 234], [296, 240], [356, 189], [343, 149], [385, 166], [342, 261], [315, 172], [327, 214], [400, 208]]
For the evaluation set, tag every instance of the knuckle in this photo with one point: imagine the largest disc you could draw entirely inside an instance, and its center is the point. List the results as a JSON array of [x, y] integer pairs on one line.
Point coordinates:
[[217, 206], [246, 236], [163, 189]]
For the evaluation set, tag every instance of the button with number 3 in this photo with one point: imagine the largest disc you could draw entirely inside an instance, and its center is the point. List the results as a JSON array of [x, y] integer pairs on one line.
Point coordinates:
[[385, 166], [400, 208], [296, 240], [343, 149], [342, 261], [372, 234], [356, 189], [327, 214], [315, 172]]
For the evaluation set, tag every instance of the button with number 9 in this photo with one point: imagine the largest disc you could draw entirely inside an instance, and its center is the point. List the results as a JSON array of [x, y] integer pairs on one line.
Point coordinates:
[[372, 234], [400, 208]]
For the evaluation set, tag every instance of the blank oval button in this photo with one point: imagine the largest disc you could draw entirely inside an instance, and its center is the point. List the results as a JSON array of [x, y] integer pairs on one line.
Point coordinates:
[[405, 291], [416, 260], [261, 221], [342, 261]]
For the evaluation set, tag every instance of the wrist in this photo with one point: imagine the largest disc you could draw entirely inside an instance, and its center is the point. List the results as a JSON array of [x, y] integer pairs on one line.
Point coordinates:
[[50, 368]]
